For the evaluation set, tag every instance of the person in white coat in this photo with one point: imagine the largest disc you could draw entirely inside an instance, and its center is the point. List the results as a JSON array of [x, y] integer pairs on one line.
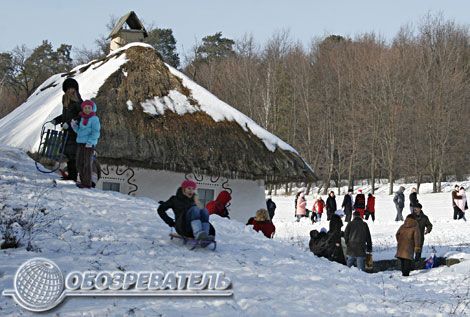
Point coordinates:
[[462, 203]]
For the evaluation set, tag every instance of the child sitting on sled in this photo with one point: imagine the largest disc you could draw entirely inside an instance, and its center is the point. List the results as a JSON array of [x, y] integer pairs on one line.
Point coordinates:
[[190, 220]]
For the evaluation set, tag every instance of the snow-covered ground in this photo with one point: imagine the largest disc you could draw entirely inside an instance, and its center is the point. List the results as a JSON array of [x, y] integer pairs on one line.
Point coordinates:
[[447, 234], [92, 230]]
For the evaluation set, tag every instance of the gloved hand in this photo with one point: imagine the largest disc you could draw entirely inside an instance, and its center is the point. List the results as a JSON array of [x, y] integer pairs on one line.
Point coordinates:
[[53, 122], [88, 145], [74, 125], [172, 224], [65, 126], [418, 256]]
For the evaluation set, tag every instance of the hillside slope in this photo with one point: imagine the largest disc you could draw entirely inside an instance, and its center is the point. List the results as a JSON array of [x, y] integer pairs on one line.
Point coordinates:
[[91, 230]]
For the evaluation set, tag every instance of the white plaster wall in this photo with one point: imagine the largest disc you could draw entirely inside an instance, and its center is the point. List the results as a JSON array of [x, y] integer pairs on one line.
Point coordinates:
[[247, 196]]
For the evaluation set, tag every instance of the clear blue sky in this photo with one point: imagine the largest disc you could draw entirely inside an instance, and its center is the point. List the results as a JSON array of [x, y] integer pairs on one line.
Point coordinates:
[[80, 22]]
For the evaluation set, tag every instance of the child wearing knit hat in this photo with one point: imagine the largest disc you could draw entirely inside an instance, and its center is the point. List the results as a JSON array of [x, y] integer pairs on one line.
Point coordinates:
[[88, 133]]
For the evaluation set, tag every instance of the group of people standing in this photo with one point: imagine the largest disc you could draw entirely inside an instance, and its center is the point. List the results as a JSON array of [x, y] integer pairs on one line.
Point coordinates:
[[399, 200], [83, 127], [366, 208], [459, 202], [352, 246]]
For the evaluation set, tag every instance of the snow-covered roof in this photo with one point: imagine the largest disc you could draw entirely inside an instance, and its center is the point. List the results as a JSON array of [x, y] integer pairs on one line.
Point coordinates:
[[21, 128]]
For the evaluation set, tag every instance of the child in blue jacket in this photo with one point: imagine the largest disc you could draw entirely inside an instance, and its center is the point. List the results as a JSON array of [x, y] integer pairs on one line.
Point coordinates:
[[88, 133]]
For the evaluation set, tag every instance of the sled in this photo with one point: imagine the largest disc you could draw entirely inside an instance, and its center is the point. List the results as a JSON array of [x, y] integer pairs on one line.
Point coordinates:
[[51, 149], [193, 243]]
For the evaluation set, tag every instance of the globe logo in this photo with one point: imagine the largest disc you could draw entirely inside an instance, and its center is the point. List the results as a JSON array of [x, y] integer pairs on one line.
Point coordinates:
[[39, 284]]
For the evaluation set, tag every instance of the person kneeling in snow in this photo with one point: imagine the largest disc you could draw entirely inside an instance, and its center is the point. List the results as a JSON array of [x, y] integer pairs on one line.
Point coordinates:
[[190, 221], [219, 205], [88, 133], [319, 243], [263, 223]]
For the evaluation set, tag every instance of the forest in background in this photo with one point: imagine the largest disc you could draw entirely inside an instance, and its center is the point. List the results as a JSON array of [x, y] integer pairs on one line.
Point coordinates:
[[355, 108]]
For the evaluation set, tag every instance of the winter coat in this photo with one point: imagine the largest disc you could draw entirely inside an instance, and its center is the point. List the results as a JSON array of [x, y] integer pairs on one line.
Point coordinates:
[[335, 223], [218, 206], [331, 205], [399, 199], [360, 202], [318, 206], [461, 203], [357, 238], [408, 239], [180, 204], [89, 133], [414, 199], [455, 196], [319, 243], [347, 203], [370, 204], [266, 227], [335, 251], [69, 113], [271, 207], [301, 209], [423, 223]]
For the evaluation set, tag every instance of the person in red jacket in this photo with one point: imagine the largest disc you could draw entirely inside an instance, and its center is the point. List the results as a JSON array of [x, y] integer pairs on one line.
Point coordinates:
[[370, 208], [360, 203], [263, 223], [219, 205], [318, 207]]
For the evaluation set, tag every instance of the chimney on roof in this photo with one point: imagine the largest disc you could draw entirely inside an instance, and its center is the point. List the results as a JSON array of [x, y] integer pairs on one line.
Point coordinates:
[[128, 29]]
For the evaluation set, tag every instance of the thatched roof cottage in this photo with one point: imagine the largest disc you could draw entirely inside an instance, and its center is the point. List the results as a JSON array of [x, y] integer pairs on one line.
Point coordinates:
[[159, 127]]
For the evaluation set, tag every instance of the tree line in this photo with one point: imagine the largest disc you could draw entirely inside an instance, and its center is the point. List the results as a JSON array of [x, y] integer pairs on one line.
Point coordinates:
[[355, 108], [22, 69]]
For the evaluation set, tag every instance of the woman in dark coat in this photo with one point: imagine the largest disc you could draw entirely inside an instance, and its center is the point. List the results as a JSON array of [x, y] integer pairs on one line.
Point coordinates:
[[408, 243], [71, 108], [413, 199], [330, 205], [334, 240], [360, 203], [348, 205], [190, 221]]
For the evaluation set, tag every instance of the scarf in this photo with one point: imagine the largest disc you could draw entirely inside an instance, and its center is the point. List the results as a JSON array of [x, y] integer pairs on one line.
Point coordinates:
[[87, 116]]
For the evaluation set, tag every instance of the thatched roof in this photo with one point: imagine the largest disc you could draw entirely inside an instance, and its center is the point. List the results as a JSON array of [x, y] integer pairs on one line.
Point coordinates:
[[132, 21], [154, 117]]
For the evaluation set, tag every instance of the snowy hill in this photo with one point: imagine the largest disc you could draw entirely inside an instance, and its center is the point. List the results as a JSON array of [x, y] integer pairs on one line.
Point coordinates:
[[91, 230]]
